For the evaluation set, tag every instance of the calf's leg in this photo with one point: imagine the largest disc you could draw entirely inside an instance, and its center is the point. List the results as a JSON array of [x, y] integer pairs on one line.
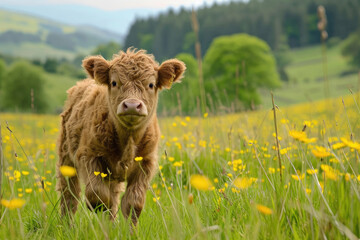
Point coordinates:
[[133, 200]]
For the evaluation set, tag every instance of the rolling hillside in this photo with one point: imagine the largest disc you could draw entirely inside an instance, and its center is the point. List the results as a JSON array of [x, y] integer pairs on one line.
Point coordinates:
[[37, 38], [306, 77]]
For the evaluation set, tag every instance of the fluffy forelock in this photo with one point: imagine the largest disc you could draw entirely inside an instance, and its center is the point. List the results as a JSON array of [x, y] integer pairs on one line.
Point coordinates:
[[135, 63]]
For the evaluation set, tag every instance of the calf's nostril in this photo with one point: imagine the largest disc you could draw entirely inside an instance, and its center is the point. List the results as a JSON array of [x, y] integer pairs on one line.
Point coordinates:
[[125, 106], [139, 106]]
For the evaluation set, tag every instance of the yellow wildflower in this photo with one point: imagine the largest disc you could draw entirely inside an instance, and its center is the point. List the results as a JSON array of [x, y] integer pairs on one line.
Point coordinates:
[[96, 173], [271, 170], [297, 135], [309, 140], [333, 139], [283, 151], [263, 209], [312, 171], [13, 203], [17, 174], [331, 175], [25, 173], [329, 172], [339, 145], [178, 164], [200, 182], [103, 175], [347, 177], [138, 159], [28, 190], [67, 171], [284, 121], [243, 182], [321, 152], [298, 177], [202, 143], [351, 144]]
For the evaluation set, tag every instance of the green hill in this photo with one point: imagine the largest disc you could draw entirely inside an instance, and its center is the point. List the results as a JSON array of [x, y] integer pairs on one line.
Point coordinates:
[[306, 77], [37, 38]]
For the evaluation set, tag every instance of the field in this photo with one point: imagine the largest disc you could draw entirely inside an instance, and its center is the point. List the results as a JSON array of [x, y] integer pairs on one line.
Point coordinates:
[[219, 178], [306, 76]]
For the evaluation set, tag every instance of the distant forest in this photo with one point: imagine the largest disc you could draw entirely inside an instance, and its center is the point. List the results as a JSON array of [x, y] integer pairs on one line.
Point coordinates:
[[291, 23]]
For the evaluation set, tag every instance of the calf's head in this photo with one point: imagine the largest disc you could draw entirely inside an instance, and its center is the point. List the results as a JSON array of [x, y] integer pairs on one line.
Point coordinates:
[[133, 79]]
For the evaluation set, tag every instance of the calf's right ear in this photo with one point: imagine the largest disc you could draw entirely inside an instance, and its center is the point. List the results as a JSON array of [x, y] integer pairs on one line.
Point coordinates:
[[97, 68]]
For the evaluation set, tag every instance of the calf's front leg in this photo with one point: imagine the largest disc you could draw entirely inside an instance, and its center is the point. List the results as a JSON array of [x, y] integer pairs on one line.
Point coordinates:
[[133, 200]]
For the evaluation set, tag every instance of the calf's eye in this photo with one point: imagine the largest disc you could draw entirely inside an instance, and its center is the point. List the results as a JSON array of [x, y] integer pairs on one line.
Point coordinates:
[[151, 85], [113, 83]]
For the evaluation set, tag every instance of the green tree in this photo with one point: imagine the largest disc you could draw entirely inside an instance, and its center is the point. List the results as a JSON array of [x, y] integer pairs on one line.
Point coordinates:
[[236, 66], [2, 70], [147, 41], [20, 81], [351, 49], [107, 50], [183, 97], [50, 65]]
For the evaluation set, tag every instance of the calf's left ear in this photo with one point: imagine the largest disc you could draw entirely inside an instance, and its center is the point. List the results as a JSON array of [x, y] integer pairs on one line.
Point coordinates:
[[170, 71], [97, 68]]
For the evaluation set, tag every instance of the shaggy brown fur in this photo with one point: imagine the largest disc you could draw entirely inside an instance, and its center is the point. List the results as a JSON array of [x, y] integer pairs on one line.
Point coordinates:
[[95, 137]]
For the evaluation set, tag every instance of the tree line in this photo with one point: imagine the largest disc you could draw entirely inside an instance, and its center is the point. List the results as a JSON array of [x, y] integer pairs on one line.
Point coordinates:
[[22, 80], [279, 22]]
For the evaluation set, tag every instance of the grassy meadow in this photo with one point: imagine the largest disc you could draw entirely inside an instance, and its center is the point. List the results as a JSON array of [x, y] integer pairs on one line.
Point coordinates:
[[219, 178], [305, 73]]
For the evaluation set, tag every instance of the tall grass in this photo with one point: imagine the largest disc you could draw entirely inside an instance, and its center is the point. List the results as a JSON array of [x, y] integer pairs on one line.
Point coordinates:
[[318, 196]]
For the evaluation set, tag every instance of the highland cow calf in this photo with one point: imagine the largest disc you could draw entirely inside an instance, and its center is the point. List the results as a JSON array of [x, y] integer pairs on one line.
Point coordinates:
[[109, 122]]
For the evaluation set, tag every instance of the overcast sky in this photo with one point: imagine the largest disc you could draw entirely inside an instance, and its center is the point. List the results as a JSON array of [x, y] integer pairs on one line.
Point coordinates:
[[117, 4]]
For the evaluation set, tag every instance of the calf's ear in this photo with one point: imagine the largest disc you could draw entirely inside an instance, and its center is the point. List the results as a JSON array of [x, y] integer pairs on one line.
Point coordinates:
[[170, 71], [97, 68]]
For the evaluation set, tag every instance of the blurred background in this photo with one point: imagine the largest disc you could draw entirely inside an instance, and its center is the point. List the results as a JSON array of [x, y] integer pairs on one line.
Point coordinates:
[[236, 51]]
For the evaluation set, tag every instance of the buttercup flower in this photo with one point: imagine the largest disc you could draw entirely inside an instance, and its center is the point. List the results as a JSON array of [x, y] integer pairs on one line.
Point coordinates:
[[67, 171], [263, 209], [13, 203], [200, 182]]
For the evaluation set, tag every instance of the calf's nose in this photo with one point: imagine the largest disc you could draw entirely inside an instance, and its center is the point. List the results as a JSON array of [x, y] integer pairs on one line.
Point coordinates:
[[132, 107]]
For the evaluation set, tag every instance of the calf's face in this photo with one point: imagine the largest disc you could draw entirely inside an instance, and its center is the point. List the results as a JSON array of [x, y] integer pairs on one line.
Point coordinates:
[[133, 79]]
